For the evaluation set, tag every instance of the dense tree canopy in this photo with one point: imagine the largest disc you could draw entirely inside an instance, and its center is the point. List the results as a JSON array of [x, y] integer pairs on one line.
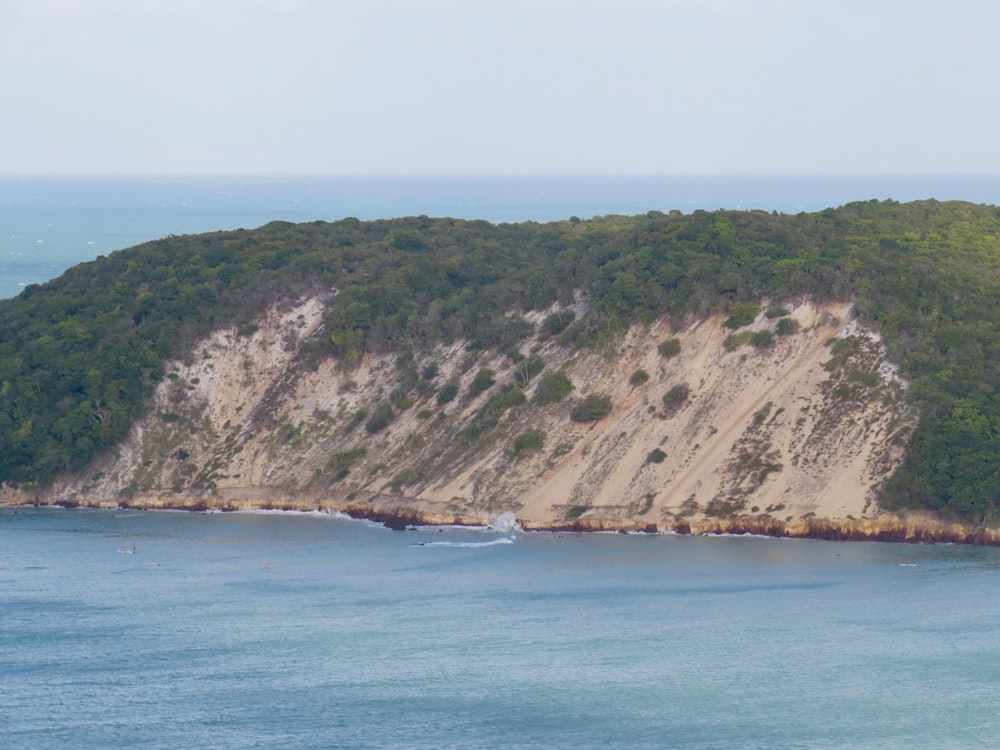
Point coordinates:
[[79, 355]]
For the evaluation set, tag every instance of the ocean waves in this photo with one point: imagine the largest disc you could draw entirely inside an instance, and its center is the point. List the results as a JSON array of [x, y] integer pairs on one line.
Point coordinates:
[[467, 545]]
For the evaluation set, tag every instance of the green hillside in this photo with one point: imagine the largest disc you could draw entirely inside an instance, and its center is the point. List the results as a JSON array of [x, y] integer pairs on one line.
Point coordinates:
[[80, 355]]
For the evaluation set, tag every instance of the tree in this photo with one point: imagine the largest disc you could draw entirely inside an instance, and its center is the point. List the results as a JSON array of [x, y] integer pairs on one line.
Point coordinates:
[[669, 348], [552, 388], [591, 408]]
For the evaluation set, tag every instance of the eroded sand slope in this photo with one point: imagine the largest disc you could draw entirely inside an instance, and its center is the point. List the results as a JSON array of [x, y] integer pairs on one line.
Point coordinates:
[[803, 428]]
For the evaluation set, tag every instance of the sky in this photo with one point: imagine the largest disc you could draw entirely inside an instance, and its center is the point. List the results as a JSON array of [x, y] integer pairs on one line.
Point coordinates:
[[394, 87]]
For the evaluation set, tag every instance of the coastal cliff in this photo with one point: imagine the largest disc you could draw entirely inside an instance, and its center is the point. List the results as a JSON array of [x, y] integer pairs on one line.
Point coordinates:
[[709, 430], [824, 374]]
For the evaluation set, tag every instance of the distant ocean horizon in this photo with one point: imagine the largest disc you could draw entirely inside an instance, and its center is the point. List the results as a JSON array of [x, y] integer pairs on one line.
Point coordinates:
[[49, 223]]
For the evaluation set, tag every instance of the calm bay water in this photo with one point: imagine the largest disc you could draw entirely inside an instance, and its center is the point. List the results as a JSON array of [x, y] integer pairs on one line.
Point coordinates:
[[296, 631], [50, 223], [293, 631]]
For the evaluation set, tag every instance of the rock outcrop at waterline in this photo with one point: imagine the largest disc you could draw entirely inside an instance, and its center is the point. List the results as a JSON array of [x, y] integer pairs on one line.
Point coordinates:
[[915, 527], [793, 419]]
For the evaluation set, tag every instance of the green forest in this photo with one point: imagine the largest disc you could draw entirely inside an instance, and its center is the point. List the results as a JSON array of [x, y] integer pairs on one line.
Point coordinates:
[[80, 355]]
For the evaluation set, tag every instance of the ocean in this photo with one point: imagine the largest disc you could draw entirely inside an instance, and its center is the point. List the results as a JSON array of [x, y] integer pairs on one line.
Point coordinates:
[[48, 224], [315, 631], [283, 630]]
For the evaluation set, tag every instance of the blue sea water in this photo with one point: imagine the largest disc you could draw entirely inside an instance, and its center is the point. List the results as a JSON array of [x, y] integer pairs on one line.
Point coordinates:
[[50, 223], [305, 631], [315, 631]]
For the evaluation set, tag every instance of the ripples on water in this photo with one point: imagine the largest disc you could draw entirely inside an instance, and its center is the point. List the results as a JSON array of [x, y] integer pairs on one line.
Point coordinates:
[[281, 631]]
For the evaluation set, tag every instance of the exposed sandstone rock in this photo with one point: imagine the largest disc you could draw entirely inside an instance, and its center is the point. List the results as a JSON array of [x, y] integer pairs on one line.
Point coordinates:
[[799, 431]]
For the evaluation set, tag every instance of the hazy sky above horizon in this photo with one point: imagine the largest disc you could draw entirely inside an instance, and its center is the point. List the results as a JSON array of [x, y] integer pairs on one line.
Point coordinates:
[[498, 86]]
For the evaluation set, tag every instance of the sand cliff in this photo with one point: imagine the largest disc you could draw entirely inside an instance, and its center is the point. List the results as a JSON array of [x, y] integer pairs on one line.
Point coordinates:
[[722, 434]]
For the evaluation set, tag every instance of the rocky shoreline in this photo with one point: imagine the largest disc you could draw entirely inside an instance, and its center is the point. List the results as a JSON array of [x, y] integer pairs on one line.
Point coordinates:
[[390, 511], [757, 433]]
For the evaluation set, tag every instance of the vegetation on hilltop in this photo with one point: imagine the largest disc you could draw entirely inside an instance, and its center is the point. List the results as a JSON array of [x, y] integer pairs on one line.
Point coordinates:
[[79, 355]]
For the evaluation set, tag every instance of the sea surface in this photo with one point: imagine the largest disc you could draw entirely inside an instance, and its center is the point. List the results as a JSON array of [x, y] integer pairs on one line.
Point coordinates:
[[48, 224], [243, 630], [315, 631]]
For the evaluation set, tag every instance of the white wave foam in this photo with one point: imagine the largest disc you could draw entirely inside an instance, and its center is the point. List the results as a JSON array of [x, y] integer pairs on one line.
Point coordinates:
[[505, 522], [501, 540], [313, 513]]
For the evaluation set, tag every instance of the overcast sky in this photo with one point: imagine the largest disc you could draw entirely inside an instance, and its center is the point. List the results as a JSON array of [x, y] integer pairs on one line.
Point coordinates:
[[499, 86]]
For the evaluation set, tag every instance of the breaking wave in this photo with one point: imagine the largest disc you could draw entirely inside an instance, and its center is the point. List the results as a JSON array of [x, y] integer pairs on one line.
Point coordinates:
[[501, 540], [505, 522]]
